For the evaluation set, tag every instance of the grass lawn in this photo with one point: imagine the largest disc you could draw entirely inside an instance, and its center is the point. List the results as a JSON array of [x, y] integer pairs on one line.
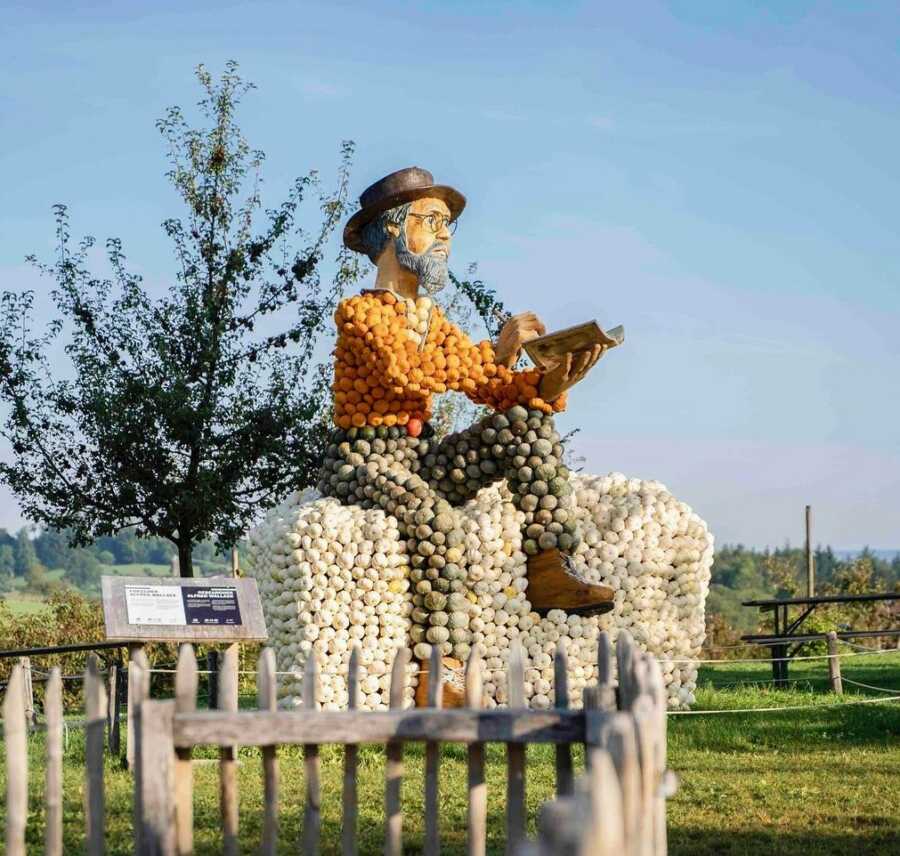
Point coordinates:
[[137, 569], [25, 604], [825, 780]]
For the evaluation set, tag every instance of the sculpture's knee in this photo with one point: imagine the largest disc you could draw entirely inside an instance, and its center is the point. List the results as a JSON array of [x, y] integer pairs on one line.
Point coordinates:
[[538, 478]]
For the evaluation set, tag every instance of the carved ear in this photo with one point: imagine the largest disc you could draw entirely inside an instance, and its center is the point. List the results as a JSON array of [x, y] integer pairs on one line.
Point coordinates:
[[393, 229]]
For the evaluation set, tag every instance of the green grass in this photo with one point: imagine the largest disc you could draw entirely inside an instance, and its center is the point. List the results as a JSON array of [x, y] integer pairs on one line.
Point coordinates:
[[818, 781], [25, 604], [137, 569]]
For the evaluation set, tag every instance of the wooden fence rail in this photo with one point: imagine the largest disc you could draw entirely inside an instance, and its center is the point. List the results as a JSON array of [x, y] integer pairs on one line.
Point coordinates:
[[617, 807]]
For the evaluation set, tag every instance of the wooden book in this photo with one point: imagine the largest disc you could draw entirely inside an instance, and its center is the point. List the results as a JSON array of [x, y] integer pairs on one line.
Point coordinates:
[[547, 351]]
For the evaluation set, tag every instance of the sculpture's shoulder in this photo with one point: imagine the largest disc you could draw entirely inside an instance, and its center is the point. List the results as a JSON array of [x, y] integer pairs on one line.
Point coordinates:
[[357, 307]]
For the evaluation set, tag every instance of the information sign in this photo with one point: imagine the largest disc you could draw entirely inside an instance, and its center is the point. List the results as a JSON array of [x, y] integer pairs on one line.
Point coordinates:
[[211, 605], [182, 610], [154, 605]]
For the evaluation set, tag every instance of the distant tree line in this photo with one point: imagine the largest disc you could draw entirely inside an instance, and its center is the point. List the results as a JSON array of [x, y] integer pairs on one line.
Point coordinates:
[[740, 573], [29, 556]]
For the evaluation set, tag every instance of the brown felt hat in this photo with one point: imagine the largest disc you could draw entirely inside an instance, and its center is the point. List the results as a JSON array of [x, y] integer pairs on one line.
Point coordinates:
[[399, 187]]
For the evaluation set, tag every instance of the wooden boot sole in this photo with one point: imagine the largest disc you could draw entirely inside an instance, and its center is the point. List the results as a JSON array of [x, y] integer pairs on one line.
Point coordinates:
[[453, 694], [551, 585]]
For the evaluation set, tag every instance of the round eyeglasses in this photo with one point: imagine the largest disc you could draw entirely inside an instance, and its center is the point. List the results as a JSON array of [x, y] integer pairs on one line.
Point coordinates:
[[435, 222]]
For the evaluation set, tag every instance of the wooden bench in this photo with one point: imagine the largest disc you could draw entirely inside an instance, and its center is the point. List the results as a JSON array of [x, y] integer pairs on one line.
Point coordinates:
[[787, 630]]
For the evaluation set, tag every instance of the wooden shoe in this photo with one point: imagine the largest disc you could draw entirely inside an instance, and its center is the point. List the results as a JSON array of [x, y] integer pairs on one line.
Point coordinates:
[[552, 584], [453, 694]]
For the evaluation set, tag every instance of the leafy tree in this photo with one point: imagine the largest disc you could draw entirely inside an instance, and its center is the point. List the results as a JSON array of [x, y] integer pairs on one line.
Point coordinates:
[[83, 570], [6, 538], [24, 556], [36, 579], [483, 298], [7, 561], [184, 415], [52, 548], [466, 299]]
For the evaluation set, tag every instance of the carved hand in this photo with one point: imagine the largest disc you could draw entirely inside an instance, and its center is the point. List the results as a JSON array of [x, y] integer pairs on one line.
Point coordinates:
[[571, 370], [518, 330]]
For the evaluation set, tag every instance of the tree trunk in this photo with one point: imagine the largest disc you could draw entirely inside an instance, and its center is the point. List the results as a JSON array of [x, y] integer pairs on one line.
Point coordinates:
[[185, 562]]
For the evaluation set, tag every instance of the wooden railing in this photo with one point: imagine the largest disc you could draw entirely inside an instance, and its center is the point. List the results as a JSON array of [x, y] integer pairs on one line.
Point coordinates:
[[617, 807]]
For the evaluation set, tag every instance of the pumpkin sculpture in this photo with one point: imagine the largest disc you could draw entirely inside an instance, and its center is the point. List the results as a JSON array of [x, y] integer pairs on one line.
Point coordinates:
[[481, 536], [395, 350]]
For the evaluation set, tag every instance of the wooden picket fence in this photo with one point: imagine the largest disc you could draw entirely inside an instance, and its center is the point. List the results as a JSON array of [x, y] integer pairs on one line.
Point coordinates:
[[16, 726], [618, 806]]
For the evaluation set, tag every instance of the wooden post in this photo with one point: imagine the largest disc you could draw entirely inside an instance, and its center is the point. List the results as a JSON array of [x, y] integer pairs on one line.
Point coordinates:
[[810, 557], [120, 706], [606, 693], [267, 699], [433, 757], [834, 664], [565, 782], [606, 830], [154, 779], [138, 690], [212, 679], [112, 696], [349, 823], [228, 794], [312, 812], [53, 713], [625, 669], [621, 744], [15, 735], [645, 732], [515, 753], [28, 691], [185, 702], [477, 783], [235, 562], [95, 703], [393, 775], [657, 690]]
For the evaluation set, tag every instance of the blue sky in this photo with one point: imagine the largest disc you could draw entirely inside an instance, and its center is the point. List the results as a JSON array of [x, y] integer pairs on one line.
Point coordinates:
[[721, 178]]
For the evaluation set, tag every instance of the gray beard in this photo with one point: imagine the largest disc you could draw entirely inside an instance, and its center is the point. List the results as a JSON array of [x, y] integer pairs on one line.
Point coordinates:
[[432, 271]]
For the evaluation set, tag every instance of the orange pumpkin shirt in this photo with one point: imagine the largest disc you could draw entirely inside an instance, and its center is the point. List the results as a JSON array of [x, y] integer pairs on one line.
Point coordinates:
[[382, 377]]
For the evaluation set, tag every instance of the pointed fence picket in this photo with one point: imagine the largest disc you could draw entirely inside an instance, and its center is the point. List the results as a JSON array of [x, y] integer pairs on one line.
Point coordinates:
[[17, 719], [351, 754], [433, 757], [617, 807], [515, 753]]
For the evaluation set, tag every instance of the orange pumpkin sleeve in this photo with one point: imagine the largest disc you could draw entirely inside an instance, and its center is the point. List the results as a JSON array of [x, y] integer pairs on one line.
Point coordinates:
[[484, 382]]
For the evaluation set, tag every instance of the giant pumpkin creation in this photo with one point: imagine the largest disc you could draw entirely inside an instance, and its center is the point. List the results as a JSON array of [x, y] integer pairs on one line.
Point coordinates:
[[395, 350], [478, 537]]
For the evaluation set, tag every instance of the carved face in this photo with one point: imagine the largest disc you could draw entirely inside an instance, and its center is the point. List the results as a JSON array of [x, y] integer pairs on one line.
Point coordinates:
[[423, 248], [420, 237]]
